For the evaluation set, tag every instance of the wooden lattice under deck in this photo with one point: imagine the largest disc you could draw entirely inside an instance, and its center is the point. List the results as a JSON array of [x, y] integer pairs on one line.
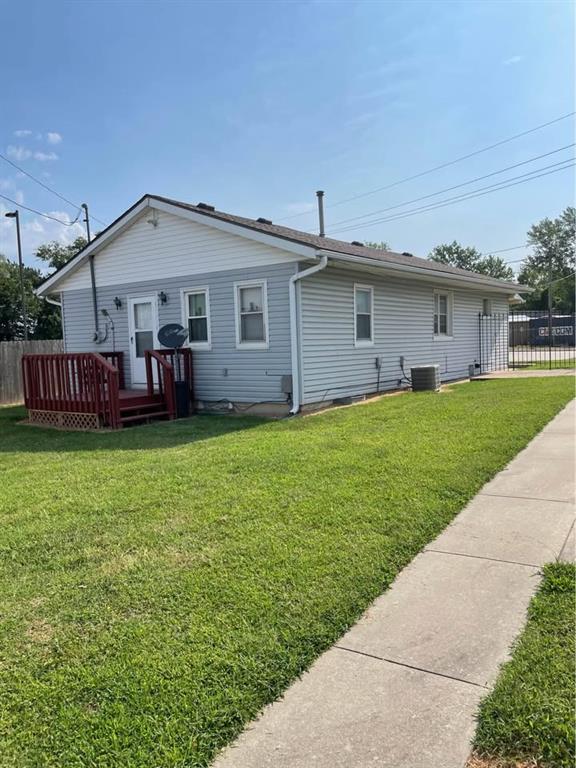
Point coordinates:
[[64, 420]]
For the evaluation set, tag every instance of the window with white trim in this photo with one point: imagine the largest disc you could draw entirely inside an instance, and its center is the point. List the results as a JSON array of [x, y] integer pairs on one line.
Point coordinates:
[[442, 314], [363, 315], [251, 315], [486, 307], [197, 315]]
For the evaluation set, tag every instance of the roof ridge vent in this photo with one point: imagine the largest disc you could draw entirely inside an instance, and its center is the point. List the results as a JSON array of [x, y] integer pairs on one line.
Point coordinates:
[[357, 242], [262, 220], [406, 253], [206, 207]]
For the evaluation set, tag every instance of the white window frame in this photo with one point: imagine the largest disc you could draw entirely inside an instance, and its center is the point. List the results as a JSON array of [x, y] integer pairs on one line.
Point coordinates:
[[488, 302], [449, 335], [251, 284], [184, 293], [364, 342]]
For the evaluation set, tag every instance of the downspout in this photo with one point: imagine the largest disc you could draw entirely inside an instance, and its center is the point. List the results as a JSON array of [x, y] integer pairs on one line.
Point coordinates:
[[294, 348], [94, 299]]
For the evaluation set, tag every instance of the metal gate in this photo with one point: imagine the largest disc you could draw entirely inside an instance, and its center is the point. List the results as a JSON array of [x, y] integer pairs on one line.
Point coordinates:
[[527, 340], [541, 340]]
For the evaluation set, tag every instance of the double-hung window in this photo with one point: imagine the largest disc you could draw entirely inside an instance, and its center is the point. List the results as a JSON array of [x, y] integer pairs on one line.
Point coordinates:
[[363, 315], [442, 314], [251, 315], [196, 308]]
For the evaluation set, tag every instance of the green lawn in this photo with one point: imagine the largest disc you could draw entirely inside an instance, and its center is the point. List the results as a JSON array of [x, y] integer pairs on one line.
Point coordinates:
[[161, 584], [530, 714], [544, 365]]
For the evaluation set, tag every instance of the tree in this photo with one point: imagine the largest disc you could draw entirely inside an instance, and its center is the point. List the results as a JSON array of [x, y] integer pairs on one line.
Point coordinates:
[[56, 255], [43, 318], [380, 245], [468, 257], [553, 260]]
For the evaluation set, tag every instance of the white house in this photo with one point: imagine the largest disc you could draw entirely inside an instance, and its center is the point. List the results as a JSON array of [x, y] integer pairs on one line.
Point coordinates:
[[278, 319]]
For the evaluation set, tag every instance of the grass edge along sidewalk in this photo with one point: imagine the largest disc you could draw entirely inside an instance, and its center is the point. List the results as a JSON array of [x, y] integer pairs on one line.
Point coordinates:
[[528, 719]]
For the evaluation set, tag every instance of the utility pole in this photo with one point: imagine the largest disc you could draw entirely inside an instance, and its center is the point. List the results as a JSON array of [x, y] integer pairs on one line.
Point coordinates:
[[86, 220], [15, 215]]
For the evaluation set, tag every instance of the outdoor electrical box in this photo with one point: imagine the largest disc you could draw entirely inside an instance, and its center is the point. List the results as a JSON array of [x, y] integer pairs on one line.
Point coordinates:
[[286, 384]]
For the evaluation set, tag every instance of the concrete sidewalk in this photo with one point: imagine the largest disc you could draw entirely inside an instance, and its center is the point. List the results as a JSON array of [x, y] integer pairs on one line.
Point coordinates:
[[401, 688]]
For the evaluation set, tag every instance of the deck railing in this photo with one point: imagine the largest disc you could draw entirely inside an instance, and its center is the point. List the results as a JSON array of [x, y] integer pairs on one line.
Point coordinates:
[[117, 360], [82, 382]]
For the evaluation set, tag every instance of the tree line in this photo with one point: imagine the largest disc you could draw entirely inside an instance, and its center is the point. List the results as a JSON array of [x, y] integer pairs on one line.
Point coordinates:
[[551, 262]]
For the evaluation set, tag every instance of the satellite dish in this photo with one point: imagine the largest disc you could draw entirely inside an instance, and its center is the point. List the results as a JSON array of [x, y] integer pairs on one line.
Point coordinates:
[[172, 335]]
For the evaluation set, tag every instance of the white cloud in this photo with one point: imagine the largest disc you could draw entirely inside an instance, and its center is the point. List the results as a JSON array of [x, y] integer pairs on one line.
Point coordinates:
[[44, 156], [22, 132], [512, 60], [18, 153], [52, 137], [36, 230], [366, 117]]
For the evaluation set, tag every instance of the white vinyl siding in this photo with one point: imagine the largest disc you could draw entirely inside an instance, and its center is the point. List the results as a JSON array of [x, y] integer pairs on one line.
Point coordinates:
[[363, 315], [251, 305], [333, 366], [196, 317], [223, 372], [175, 247]]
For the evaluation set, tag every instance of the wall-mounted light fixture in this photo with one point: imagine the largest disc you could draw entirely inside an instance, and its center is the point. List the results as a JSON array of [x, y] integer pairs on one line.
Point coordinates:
[[163, 298], [117, 302]]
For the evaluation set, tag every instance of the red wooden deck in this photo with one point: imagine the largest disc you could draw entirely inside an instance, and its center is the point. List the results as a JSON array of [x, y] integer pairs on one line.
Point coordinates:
[[86, 390]]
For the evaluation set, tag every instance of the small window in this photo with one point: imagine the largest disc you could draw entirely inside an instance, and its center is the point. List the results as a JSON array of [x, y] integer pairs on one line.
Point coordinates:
[[486, 307], [442, 314], [197, 316], [251, 315], [363, 314]]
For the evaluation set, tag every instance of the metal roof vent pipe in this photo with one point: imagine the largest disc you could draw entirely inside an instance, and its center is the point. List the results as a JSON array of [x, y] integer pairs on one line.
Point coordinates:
[[320, 196]]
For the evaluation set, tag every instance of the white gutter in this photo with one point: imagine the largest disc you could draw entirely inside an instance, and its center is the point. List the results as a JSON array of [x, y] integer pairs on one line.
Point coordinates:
[[294, 348]]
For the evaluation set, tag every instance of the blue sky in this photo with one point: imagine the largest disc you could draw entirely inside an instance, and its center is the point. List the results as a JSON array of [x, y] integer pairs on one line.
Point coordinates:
[[252, 106]]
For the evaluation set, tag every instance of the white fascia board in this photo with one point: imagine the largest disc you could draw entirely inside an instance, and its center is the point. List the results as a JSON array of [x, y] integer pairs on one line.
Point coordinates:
[[113, 231], [434, 276], [307, 251]]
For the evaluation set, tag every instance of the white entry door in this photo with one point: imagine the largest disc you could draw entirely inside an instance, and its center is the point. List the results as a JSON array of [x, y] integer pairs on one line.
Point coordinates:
[[143, 329]]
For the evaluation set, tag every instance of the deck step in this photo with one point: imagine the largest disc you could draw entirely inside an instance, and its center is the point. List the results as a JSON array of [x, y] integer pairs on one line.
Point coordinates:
[[140, 406], [140, 402], [143, 416]]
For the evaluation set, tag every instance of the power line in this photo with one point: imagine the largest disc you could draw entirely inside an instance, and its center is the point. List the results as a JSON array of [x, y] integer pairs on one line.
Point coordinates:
[[456, 186], [468, 196], [438, 167], [42, 184], [39, 213], [504, 250]]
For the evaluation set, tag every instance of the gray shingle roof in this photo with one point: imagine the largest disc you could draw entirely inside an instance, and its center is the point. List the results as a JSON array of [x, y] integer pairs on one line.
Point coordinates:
[[336, 246]]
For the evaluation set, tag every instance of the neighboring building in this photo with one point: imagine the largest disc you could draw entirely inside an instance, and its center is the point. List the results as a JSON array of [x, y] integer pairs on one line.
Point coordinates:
[[276, 316]]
